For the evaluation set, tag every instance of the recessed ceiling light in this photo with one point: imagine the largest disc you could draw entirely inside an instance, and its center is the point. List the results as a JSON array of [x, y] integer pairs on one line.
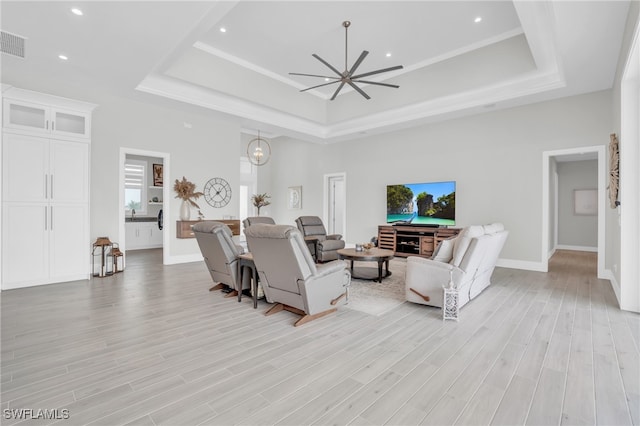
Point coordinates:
[[478, 19], [77, 11], [388, 55], [223, 30], [63, 57]]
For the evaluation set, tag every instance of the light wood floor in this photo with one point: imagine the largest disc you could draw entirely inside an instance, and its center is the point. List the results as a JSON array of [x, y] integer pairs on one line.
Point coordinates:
[[152, 346]]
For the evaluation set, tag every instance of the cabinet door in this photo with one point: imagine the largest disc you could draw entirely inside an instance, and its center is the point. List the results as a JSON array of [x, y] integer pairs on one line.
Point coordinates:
[[25, 242], [70, 123], [155, 235], [26, 116], [69, 172], [134, 239], [70, 249], [25, 168]]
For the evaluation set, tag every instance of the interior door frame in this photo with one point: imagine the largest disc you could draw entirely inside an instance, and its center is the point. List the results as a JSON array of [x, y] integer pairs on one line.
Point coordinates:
[[547, 156], [166, 172], [325, 199]]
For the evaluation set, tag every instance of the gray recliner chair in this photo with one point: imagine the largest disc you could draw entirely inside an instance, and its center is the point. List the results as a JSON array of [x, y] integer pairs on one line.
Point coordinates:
[[326, 247], [220, 255], [289, 276], [252, 220]]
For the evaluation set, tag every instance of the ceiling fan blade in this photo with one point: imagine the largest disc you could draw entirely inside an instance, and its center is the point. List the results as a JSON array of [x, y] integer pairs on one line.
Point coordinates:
[[337, 91], [397, 67], [358, 89], [377, 84], [327, 64], [319, 85], [358, 62], [313, 75]]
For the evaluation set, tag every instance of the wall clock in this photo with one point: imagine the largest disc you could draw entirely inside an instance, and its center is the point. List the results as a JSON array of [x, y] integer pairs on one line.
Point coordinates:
[[217, 192]]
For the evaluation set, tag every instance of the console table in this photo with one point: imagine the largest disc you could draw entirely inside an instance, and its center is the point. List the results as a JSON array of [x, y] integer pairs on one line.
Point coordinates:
[[407, 240], [183, 227]]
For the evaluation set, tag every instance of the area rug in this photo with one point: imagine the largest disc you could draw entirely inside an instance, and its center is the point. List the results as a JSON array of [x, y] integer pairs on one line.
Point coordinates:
[[376, 298]]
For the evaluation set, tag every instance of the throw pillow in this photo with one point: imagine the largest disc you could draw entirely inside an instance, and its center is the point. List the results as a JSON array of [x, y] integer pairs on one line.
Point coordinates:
[[462, 242], [444, 251]]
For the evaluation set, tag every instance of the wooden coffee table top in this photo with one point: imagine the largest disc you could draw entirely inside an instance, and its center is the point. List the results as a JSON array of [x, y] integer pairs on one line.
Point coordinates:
[[373, 254]]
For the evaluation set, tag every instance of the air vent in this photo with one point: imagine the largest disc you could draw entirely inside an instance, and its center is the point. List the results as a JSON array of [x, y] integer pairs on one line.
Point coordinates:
[[12, 44]]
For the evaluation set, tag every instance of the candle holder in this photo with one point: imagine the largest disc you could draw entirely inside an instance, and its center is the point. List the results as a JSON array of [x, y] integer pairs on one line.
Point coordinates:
[[102, 257]]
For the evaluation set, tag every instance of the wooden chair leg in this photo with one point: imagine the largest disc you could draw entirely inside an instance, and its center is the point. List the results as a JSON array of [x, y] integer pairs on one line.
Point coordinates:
[[218, 286], [233, 293], [305, 319], [275, 308]]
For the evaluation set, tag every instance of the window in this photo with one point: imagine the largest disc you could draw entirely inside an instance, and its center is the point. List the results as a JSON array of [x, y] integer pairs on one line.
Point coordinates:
[[135, 190]]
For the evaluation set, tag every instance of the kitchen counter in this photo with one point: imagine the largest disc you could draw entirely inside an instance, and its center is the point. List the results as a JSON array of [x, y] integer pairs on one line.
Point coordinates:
[[141, 219]]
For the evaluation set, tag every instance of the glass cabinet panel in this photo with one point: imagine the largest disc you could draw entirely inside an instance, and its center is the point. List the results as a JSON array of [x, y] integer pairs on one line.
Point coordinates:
[[70, 123], [28, 116]]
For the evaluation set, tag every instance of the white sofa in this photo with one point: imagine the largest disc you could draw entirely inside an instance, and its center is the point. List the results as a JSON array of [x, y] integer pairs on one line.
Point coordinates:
[[468, 259]]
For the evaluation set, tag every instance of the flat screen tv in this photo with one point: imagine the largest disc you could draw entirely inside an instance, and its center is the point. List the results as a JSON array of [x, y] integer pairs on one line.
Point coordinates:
[[432, 204]]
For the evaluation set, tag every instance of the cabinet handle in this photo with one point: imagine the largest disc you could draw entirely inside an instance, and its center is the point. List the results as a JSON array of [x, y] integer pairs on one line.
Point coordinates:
[[53, 126], [47, 125], [46, 218], [46, 186], [52, 218], [52, 186]]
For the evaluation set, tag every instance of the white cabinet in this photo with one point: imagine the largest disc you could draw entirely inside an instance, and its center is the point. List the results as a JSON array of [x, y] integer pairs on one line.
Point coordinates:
[[142, 235], [45, 195], [39, 169], [35, 118]]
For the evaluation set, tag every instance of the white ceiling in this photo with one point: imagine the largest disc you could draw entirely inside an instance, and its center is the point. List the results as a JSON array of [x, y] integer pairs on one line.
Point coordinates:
[[521, 52]]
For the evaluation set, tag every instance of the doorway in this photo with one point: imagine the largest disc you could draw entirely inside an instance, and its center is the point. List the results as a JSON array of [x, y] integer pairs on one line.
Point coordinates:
[[335, 203], [550, 200], [143, 229]]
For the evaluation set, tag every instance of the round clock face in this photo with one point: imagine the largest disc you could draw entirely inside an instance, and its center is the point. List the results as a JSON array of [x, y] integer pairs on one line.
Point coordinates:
[[217, 192]]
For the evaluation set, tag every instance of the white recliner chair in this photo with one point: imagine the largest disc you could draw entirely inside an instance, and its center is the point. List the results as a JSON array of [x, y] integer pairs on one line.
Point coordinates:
[[468, 260]]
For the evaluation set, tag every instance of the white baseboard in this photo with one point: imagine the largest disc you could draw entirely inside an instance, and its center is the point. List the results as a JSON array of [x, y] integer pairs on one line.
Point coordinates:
[[609, 275], [521, 264], [577, 248]]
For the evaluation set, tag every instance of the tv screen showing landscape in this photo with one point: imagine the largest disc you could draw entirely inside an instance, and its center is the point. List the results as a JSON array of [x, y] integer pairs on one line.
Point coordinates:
[[431, 203]]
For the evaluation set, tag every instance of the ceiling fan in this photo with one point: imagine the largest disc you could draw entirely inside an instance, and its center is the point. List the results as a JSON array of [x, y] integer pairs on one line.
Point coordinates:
[[347, 76]]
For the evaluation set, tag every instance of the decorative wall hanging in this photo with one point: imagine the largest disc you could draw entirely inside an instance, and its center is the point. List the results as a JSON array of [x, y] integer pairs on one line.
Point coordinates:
[[614, 171], [294, 197]]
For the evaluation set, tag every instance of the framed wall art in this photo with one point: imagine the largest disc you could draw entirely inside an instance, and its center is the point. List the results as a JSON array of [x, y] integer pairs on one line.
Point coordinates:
[[157, 175], [294, 197], [585, 202]]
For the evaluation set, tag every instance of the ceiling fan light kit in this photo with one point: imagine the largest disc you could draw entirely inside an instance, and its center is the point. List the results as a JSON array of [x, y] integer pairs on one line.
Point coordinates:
[[348, 75]]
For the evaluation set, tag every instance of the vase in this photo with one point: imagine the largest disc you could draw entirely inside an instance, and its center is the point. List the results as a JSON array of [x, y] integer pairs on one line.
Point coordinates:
[[185, 210]]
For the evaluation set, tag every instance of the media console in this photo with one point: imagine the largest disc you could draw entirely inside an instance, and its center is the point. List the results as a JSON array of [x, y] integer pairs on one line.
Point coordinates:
[[407, 240]]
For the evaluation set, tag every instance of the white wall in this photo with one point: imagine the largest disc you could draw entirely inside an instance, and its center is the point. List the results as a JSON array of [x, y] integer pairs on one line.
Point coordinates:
[[209, 148], [494, 158], [623, 262], [577, 232]]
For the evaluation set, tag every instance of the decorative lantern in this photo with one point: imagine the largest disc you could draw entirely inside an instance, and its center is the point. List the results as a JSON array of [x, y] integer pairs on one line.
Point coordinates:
[[118, 258], [102, 257]]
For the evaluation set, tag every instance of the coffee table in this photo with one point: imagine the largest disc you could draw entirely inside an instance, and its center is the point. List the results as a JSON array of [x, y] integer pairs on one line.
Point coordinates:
[[372, 255]]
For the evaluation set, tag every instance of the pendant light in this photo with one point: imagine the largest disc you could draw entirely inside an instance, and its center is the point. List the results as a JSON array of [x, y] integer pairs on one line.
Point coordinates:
[[259, 151]]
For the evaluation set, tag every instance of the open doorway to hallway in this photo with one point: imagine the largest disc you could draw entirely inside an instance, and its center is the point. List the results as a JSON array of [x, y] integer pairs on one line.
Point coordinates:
[[143, 197]]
